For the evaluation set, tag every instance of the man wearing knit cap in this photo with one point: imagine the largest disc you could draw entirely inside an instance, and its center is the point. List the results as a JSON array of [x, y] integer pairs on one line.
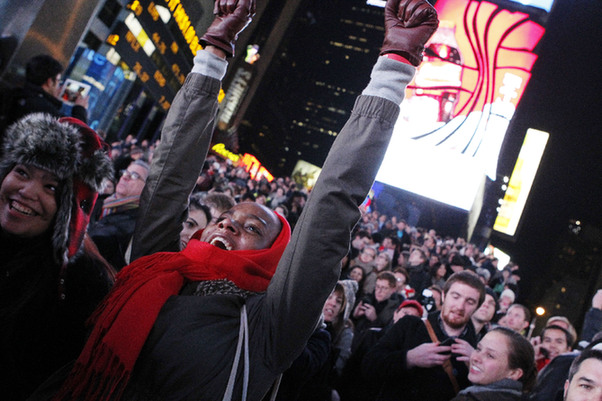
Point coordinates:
[[408, 307]]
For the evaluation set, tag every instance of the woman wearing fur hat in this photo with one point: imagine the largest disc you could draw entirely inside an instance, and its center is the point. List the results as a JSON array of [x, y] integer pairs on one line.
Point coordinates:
[[51, 278]]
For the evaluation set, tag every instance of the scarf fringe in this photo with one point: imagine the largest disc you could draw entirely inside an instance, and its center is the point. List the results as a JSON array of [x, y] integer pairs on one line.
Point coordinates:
[[124, 319], [108, 379]]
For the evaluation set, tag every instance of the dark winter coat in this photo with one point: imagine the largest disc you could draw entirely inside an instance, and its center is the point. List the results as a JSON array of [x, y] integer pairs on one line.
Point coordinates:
[[112, 235], [174, 364], [39, 332], [386, 361], [33, 99]]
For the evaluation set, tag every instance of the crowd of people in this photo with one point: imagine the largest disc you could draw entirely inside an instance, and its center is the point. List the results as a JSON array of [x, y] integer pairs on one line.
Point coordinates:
[[153, 271]]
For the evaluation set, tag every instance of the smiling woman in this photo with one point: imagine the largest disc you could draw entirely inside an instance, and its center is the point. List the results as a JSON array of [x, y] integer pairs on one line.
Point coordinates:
[[27, 201], [51, 278], [502, 368]]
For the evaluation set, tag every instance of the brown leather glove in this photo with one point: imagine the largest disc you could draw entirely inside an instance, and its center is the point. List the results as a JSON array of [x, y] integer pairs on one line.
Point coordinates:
[[231, 18], [408, 26]]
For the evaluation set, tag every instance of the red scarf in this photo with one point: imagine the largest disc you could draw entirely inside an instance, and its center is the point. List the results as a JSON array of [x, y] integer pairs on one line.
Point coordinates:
[[125, 318]]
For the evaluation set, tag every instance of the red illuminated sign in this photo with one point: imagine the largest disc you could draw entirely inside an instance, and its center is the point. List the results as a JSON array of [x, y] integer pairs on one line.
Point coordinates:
[[459, 105]]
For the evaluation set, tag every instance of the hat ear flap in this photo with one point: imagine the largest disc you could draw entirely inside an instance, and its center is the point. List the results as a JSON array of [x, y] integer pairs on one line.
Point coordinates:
[[62, 220]]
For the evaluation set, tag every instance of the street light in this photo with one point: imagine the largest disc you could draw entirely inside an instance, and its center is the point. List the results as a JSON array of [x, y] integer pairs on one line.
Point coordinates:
[[539, 311]]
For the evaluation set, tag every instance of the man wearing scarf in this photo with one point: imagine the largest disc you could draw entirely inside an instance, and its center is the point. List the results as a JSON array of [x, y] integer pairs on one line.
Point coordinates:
[[223, 318], [116, 215]]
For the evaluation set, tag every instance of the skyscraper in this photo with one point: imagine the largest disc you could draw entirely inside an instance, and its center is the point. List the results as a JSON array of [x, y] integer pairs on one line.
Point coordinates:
[[311, 83]]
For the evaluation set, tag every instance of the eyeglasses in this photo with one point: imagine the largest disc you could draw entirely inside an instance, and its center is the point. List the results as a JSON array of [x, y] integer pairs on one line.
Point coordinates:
[[132, 175]]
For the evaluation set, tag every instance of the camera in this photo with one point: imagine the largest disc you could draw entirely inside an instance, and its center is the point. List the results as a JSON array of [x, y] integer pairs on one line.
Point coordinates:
[[427, 300]]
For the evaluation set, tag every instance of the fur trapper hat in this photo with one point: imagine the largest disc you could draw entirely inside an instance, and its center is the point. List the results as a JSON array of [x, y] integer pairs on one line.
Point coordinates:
[[350, 287], [76, 155]]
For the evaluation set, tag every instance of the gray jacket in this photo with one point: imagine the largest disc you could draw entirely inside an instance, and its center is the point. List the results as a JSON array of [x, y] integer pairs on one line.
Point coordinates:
[[190, 350]]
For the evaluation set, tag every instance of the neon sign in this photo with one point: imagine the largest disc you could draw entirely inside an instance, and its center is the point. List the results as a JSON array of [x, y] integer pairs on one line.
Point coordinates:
[[184, 24], [248, 161], [458, 107]]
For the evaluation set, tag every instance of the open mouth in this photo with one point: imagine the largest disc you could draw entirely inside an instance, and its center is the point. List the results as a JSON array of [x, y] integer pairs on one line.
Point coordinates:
[[475, 369], [221, 243], [22, 209]]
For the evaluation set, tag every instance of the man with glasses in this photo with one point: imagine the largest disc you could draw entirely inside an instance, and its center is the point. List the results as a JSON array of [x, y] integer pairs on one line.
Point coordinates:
[[377, 309], [116, 216]]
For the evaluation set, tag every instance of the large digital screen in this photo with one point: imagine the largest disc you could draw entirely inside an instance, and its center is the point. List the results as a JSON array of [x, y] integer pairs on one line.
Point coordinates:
[[459, 105], [521, 181]]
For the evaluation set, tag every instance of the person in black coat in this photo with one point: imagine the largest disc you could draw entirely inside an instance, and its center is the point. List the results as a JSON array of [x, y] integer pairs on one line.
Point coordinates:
[[51, 275], [41, 92]]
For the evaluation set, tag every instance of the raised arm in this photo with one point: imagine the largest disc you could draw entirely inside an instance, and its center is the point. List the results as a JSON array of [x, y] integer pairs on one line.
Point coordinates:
[[186, 135], [310, 265]]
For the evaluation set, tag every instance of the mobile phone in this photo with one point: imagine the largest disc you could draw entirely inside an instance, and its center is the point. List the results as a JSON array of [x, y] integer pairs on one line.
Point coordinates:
[[71, 89], [448, 341]]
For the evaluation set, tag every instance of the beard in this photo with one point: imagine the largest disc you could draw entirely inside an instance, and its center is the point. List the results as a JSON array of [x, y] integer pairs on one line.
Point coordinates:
[[454, 319]]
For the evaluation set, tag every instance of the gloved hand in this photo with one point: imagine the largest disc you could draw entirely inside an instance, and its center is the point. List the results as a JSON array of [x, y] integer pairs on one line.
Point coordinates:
[[408, 26], [231, 18]]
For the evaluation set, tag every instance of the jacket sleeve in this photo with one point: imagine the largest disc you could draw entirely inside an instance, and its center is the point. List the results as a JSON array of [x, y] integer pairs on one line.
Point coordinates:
[[591, 324], [80, 113], [178, 161], [310, 265], [387, 359]]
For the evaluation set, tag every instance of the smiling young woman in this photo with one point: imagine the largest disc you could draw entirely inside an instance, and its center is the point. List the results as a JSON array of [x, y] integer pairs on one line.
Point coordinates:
[[51, 278], [502, 368]]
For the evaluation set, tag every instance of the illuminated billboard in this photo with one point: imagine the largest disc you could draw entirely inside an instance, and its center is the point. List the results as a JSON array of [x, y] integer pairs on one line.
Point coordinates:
[[459, 105], [520, 182]]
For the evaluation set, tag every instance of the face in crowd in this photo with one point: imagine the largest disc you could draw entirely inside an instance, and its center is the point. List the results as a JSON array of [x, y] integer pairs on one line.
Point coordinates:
[[459, 303], [486, 311], [585, 383], [131, 182], [416, 258], [333, 306], [383, 290], [367, 255], [490, 361], [196, 220], [246, 226], [555, 341], [515, 319], [356, 274], [382, 261], [28, 201]]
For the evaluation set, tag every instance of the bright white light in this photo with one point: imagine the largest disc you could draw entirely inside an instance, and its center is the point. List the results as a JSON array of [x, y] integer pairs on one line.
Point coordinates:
[[164, 13], [141, 36], [377, 3], [545, 4], [113, 56], [429, 179]]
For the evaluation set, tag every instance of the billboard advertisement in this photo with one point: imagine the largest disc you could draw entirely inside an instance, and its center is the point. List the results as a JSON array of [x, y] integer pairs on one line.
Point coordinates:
[[458, 107]]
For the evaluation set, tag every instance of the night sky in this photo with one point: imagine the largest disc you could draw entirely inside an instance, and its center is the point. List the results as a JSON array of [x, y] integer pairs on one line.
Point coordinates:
[[564, 98]]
